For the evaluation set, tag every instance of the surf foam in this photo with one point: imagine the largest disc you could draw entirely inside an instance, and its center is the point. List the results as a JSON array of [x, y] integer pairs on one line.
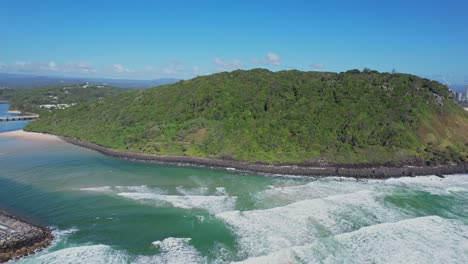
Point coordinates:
[[186, 198], [419, 240], [260, 232]]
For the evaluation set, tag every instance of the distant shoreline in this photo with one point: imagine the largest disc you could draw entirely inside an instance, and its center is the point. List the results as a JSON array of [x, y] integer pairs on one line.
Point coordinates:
[[345, 170]]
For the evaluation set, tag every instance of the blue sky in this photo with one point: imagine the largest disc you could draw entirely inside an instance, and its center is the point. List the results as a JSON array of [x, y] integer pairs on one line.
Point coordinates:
[[182, 39]]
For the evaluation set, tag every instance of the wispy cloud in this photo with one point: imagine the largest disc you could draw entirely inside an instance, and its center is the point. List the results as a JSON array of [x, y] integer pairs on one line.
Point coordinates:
[[271, 58], [22, 66], [22, 63], [227, 65], [148, 69], [196, 70], [80, 67], [172, 69], [49, 67], [317, 67], [119, 68]]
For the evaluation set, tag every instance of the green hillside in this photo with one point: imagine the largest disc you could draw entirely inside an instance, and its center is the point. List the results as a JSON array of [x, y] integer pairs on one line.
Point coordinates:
[[30, 100], [278, 117]]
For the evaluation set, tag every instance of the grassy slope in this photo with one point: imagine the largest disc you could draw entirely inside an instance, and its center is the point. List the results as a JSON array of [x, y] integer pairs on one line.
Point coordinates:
[[287, 116]]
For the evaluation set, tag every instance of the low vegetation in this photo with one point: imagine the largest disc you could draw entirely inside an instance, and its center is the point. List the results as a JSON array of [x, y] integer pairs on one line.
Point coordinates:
[[31, 100], [352, 117]]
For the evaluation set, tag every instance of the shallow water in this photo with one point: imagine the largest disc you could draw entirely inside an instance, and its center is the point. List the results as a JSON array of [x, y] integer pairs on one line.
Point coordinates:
[[108, 210], [11, 125]]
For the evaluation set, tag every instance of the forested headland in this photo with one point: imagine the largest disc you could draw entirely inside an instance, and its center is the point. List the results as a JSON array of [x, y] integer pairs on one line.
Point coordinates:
[[353, 117]]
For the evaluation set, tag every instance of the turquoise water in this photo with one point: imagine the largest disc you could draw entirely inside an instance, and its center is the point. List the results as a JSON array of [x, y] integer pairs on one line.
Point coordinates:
[[10, 126], [108, 210]]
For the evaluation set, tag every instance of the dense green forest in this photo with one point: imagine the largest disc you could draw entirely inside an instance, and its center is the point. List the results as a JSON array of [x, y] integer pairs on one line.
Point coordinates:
[[278, 117], [30, 100]]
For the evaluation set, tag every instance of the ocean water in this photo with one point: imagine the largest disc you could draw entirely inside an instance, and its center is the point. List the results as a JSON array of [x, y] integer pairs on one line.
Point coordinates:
[[108, 210]]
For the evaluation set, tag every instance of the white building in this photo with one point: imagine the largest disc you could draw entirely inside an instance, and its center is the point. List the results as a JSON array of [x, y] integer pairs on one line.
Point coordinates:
[[466, 92]]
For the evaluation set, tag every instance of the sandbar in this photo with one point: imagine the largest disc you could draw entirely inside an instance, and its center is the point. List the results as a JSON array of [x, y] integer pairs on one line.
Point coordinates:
[[21, 134]]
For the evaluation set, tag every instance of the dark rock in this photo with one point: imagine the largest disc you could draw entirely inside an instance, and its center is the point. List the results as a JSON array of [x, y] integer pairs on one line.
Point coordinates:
[[377, 171], [21, 238]]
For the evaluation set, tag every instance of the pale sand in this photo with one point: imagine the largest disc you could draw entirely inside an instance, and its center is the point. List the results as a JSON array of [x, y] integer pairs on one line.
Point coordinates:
[[21, 134], [466, 108], [14, 112]]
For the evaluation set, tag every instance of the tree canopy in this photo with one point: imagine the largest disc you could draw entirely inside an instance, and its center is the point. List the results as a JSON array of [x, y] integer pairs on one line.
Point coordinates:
[[278, 117]]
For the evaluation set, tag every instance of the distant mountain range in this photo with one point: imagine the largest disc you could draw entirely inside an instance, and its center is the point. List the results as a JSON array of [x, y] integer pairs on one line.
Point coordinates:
[[30, 81]]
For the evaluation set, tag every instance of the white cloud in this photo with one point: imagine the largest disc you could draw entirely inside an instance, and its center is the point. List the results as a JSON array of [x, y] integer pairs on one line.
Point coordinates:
[[148, 69], [273, 59], [196, 70], [78, 67], [51, 66], [23, 66], [173, 68], [317, 66], [73, 68], [270, 59], [119, 68], [23, 63], [227, 65]]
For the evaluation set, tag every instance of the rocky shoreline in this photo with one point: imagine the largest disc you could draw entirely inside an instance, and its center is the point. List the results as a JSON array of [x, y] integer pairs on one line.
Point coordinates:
[[19, 238], [345, 170]]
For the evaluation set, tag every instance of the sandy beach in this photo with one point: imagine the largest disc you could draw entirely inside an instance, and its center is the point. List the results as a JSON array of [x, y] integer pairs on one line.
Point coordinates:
[[21, 134], [466, 108], [14, 112]]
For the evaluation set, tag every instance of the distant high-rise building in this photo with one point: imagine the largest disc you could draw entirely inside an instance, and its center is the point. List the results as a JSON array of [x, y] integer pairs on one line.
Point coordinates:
[[466, 92], [458, 96]]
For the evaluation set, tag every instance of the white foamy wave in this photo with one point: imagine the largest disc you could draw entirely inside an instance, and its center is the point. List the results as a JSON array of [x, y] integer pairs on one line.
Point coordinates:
[[186, 198], [278, 196], [192, 191], [420, 240], [221, 191], [456, 189], [83, 254], [214, 204], [174, 250], [58, 233], [260, 232], [103, 189], [61, 235], [117, 189], [432, 184]]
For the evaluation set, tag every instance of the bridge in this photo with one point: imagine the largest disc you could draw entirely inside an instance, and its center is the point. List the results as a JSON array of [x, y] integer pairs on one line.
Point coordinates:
[[18, 118]]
